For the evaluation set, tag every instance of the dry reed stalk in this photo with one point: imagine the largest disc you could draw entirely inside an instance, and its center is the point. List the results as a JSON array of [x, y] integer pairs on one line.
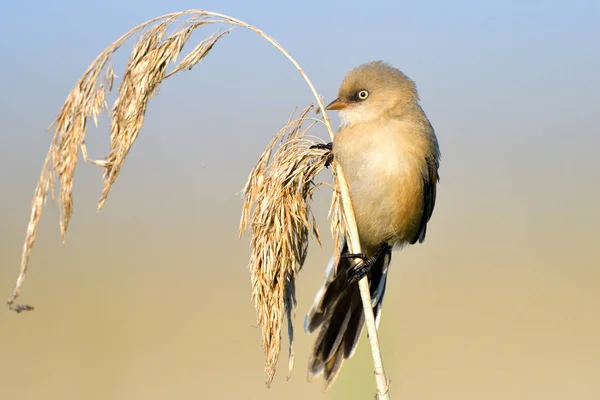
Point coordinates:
[[279, 189]]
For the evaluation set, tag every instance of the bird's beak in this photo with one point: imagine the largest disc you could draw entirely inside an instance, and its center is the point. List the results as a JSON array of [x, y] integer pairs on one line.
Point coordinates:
[[337, 104]]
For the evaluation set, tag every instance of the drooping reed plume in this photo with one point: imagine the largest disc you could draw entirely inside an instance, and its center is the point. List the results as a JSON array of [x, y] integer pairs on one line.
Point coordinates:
[[277, 211]]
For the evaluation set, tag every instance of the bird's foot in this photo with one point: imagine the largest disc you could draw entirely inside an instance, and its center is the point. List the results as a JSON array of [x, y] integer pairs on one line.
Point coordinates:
[[322, 146], [328, 155], [358, 271]]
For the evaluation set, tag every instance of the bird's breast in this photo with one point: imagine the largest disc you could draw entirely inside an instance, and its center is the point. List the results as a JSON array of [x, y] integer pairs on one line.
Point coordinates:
[[383, 164]]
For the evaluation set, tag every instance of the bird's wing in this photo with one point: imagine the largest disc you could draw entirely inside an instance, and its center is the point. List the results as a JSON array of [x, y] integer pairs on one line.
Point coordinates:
[[430, 180]]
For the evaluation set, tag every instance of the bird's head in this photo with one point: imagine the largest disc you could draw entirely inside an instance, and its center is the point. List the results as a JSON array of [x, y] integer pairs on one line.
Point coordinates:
[[372, 91]]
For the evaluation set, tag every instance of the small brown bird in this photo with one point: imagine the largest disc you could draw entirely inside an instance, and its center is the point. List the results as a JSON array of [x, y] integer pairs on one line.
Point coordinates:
[[389, 154]]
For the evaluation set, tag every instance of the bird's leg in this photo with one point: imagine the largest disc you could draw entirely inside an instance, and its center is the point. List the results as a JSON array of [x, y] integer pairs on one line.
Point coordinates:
[[329, 154], [322, 146], [362, 256], [355, 273]]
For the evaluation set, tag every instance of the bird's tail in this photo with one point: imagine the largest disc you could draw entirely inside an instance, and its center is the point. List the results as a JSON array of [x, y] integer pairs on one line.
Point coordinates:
[[338, 312]]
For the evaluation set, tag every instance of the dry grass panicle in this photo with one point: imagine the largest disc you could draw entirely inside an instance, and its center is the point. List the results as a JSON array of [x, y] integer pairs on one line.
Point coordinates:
[[144, 72], [277, 211], [286, 182], [277, 195]]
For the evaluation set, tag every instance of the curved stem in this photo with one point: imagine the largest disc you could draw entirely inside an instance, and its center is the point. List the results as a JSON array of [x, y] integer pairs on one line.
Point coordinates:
[[353, 239], [352, 233]]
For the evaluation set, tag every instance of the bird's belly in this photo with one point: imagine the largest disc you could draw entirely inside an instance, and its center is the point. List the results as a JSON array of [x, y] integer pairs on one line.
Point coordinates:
[[386, 191]]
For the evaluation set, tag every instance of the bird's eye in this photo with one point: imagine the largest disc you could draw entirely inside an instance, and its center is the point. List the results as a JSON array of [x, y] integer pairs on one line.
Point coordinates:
[[363, 94]]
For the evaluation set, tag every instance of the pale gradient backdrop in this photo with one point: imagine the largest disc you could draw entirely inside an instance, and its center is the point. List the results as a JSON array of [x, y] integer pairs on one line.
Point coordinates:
[[151, 297]]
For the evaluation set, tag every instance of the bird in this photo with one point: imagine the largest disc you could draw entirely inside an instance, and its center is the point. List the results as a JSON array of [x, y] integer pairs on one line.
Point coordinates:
[[389, 154]]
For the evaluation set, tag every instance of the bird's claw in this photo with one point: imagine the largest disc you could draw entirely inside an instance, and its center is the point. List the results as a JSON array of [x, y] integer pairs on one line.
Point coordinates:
[[361, 256], [322, 146], [328, 155], [358, 271]]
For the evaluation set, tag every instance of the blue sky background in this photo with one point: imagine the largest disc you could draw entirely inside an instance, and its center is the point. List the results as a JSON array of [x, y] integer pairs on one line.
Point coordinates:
[[151, 296]]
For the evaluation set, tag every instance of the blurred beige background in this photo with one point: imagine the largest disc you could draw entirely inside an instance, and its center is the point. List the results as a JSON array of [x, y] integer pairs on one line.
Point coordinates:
[[150, 299]]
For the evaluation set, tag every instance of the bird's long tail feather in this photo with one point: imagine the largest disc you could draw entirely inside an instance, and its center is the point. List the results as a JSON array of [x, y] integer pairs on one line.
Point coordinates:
[[338, 314]]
